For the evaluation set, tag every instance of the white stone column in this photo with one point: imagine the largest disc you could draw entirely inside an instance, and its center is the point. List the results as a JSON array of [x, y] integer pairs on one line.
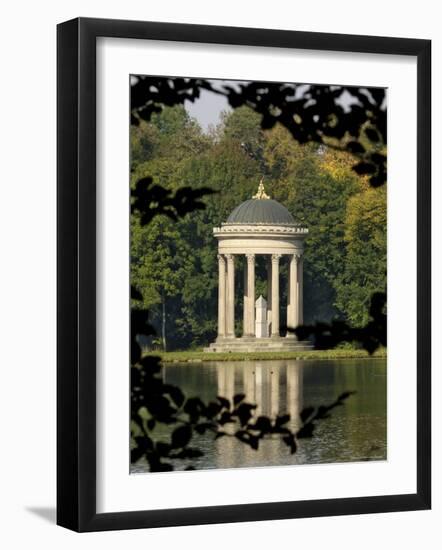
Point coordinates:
[[300, 319], [275, 295], [269, 294], [274, 391], [245, 323], [221, 296], [258, 388], [250, 328], [292, 295], [230, 310]]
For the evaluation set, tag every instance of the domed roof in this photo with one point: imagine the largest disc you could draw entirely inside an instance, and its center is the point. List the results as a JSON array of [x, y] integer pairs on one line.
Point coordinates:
[[261, 209]]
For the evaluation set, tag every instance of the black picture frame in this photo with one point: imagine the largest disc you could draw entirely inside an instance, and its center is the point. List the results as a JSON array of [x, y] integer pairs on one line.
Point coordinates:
[[76, 272]]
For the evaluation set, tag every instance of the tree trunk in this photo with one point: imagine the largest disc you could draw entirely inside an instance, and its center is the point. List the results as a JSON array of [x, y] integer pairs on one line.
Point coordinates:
[[163, 322]]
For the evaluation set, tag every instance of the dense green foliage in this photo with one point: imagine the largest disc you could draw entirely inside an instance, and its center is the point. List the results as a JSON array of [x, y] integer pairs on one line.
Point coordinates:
[[174, 263]]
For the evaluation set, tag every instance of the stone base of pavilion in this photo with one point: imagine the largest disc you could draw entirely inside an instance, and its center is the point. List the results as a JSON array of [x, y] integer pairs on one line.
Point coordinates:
[[251, 344]]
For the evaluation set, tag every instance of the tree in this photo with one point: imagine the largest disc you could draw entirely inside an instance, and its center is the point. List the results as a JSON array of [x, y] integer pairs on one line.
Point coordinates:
[[310, 113], [315, 183], [144, 141], [365, 255], [159, 266]]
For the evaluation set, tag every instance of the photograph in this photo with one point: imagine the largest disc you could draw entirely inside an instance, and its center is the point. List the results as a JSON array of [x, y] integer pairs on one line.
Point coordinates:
[[258, 272], [220, 218]]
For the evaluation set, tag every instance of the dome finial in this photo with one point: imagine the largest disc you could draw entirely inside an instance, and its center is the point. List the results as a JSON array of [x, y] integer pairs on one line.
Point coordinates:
[[261, 194]]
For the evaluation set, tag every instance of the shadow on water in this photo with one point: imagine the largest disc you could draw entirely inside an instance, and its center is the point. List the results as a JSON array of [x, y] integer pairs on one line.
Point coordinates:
[[355, 432]]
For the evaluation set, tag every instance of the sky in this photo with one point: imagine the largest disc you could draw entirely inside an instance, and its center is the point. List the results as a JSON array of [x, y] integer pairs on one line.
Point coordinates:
[[207, 109]]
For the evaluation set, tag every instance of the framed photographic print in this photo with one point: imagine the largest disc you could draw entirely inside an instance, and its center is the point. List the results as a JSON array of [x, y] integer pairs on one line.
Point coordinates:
[[226, 238]]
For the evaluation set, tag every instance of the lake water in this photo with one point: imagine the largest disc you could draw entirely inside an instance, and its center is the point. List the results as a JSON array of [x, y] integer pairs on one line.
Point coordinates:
[[357, 431]]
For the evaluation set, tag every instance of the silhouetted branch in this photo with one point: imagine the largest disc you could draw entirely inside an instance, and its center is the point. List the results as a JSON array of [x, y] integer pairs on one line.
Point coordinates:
[[347, 118], [151, 200], [329, 335]]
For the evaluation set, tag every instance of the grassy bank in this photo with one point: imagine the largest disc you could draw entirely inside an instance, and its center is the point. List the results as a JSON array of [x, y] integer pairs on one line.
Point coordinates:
[[199, 356]]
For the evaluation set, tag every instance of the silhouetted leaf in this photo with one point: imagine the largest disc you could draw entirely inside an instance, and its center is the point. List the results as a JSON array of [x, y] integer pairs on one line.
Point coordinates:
[[355, 147], [345, 395], [372, 134], [262, 424], [151, 363], [238, 398], [247, 438], [212, 409], [244, 412], [203, 427], [194, 407], [322, 411], [175, 393], [305, 431], [282, 419], [290, 441], [136, 454], [224, 402], [364, 168], [225, 417], [181, 436], [306, 413], [162, 448], [161, 467]]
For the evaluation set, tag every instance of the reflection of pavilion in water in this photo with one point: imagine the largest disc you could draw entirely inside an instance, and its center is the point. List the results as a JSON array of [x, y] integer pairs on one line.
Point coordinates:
[[275, 388]]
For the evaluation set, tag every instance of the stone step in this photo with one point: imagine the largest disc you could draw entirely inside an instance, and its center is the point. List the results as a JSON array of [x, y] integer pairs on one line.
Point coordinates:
[[258, 344]]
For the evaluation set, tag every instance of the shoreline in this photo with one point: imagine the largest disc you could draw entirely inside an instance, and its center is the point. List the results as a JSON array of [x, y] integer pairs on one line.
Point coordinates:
[[202, 357]]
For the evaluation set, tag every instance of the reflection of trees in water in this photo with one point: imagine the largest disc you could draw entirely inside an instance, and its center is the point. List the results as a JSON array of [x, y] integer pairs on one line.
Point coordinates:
[[273, 388], [356, 432], [264, 385], [352, 433]]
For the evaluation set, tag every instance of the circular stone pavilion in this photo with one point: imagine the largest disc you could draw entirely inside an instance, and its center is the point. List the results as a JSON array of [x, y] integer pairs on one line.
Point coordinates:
[[259, 226]]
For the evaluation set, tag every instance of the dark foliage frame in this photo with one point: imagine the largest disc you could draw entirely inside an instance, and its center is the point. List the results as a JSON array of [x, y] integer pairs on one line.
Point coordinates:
[[76, 356]]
